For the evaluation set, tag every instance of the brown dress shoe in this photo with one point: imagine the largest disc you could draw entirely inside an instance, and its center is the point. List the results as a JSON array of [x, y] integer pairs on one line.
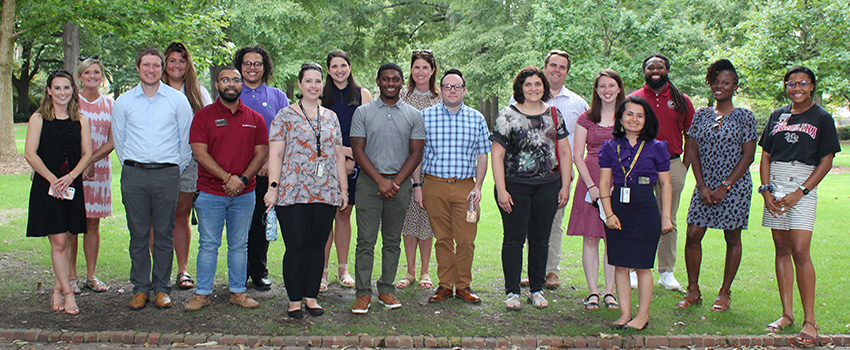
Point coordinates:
[[440, 295], [243, 300], [139, 301], [361, 305], [552, 281], [163, 301], [468, 296], [198, 301]]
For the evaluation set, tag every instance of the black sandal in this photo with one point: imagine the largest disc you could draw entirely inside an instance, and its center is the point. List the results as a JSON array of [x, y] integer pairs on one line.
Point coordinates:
[[184, 281], [611, 305], [591, 305]]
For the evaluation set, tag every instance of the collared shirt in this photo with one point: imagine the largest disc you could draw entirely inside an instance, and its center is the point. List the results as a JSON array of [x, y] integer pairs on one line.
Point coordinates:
[[653, 159], [388, 131], [671, 126], [570, 104], [230, 138], [152, 129], [453, 141], [265, 100]]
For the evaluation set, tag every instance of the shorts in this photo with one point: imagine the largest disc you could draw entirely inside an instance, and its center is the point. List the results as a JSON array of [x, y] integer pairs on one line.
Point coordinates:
[[786, 177], [189, 178]]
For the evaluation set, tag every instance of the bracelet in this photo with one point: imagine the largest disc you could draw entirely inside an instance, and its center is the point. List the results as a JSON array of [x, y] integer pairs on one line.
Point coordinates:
[[605, 197], [226, 179], [591, 186], [726, 184], [415, 185], [609, 216]]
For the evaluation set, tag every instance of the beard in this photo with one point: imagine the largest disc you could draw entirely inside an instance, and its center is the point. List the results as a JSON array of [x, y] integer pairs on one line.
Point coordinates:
[[230, 97], [656, 84]]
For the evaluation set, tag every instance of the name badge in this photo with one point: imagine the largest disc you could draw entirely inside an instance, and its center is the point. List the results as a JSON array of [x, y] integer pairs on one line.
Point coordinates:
[[643, 180], [625, 195], [783, 118], [221, 122], [320, 169]]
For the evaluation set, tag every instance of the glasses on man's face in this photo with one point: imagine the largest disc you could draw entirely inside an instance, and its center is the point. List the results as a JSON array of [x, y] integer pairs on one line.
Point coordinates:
[[450, 87], [255, 64], [793, 84], [226, 81]]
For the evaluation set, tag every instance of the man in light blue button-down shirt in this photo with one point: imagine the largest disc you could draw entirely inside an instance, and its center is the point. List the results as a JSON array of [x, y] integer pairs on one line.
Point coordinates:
[[150, 129]]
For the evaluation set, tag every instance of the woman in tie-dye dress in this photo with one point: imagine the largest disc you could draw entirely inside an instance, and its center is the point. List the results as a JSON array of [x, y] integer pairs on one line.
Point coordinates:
[[97, 179]]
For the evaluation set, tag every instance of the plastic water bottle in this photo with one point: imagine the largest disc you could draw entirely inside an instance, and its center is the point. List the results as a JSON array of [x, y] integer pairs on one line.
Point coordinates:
[[271, 225], [777, 195], [471, 213]]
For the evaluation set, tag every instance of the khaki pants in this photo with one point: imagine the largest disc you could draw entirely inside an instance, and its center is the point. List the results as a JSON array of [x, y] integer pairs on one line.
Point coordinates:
[[455, 237], [667, 243]]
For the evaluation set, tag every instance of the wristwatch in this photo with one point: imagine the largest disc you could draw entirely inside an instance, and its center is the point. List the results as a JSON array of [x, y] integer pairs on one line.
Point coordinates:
[[804, 189], [244, 179], [415, 185], [273, 184], [763, 188]]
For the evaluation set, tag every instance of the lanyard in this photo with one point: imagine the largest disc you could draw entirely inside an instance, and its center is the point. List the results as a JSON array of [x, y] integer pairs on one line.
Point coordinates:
[[317, 130], [634, 160]]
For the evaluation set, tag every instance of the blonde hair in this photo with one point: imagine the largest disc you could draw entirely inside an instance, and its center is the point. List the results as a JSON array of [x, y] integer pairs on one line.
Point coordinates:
[[45, 110], [88, 62]]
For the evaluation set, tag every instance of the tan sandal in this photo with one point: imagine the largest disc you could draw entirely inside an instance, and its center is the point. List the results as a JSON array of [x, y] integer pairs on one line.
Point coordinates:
[[720, 305], [405, 281], [687, 302], [425, 281], [779, 324], [345, 279]]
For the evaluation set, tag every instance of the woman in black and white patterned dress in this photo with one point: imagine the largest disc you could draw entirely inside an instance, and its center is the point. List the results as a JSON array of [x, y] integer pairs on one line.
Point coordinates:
[[724, 144]]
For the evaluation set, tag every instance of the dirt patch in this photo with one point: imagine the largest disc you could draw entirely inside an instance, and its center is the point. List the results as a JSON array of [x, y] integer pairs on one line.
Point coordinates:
[[14, 165], [838, 169], [7, 215]]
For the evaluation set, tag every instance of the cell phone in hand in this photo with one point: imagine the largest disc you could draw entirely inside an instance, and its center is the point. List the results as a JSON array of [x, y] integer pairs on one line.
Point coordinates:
[[68, 195]]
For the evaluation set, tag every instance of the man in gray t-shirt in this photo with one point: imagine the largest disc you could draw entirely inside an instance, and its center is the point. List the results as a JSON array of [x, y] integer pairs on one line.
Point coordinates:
[[387, 139]]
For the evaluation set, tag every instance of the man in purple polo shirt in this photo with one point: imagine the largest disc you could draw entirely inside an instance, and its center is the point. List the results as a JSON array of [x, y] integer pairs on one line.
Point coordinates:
[[230, 142], [255, 65], [675, 113]]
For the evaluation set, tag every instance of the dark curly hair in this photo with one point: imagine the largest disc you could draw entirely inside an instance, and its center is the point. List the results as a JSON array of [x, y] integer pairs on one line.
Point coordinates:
[[268, 68], [678, 96], [719, 66], [521, 78]]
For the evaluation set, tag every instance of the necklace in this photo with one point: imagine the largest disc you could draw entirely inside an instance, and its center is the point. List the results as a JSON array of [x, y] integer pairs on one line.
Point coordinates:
[[317, 130]]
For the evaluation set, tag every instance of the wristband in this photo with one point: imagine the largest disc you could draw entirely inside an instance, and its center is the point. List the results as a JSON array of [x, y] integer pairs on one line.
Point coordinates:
[[415, 185], [726, 184]]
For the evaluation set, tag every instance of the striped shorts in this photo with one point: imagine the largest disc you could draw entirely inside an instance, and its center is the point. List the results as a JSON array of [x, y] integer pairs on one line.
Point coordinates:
[[786, 177]]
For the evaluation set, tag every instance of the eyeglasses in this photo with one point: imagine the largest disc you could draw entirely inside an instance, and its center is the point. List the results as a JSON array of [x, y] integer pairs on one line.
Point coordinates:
[[227, 80], [457, 87], [256, 64], [54, 71], [83, 58], [423, 51], [793, 84]]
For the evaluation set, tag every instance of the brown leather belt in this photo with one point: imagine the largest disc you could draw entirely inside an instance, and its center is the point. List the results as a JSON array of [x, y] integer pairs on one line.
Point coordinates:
[[449, 180], [388, 175]]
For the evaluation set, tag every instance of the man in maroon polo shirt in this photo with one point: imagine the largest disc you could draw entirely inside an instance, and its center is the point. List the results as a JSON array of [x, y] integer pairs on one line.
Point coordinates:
[[675, 113], [230, 142]]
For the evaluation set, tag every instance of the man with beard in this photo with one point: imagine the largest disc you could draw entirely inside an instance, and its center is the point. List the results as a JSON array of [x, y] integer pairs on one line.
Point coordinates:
[[387, 139], [150, 129], [230, 142], [675, 113]]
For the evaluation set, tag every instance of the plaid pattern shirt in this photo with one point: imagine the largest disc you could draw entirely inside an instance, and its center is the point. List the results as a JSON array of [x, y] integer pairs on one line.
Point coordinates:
[[453, 141]]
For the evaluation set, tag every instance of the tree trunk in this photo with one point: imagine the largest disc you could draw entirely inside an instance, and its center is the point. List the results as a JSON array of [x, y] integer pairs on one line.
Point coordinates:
[[7, 44], [22, 84], [71, 43]]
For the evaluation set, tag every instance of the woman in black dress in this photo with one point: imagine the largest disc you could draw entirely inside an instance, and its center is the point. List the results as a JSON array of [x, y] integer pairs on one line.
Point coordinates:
[[634, 161], [58, 147]]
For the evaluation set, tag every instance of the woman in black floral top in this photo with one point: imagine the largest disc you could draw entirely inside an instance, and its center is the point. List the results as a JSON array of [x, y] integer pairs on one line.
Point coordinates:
[[530, 154]]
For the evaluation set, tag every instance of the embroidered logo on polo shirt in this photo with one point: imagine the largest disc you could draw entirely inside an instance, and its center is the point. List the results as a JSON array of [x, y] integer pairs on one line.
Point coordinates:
[[249, 126], [671, 104]]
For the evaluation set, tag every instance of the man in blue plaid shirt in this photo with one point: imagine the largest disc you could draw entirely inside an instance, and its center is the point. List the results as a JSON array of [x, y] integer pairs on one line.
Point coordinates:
[[455, 163]]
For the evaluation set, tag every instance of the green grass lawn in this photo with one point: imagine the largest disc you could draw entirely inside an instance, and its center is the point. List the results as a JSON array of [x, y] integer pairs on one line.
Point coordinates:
[[755, 297]]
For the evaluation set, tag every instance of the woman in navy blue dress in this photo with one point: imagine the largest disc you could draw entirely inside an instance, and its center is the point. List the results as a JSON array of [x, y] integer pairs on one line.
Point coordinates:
[[634, 161]]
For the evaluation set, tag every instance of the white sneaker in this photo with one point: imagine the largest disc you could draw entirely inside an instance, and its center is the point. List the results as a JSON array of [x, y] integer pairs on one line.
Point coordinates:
[[669, 281], [633, 279]]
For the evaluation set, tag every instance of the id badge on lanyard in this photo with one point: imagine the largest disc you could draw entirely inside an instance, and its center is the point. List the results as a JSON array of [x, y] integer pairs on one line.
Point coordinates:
[[625, 191]]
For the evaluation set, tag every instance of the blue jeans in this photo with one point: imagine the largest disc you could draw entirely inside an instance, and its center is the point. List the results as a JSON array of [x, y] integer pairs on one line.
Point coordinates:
[[213, 211]]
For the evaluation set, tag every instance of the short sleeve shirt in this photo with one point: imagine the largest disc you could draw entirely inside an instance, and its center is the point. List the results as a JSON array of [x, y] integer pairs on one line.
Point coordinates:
[[388, 131], [653, 159], [230, 138], [265, 100], [671, 126], [806, 137], [530, 144], [299, 181]]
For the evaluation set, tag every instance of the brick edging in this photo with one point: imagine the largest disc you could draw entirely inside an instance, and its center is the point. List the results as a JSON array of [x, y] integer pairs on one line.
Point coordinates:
[[420, 341]]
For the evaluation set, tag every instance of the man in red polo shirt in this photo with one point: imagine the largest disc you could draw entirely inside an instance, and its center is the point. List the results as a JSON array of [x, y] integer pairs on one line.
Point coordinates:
[[230, 142], [675, 113]]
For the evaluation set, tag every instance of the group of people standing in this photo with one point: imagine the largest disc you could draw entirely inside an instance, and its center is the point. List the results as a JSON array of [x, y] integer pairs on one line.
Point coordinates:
[[414, 159]]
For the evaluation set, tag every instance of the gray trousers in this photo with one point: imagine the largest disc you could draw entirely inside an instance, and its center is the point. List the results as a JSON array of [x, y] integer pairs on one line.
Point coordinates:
[[150, 200], [373, 210]]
